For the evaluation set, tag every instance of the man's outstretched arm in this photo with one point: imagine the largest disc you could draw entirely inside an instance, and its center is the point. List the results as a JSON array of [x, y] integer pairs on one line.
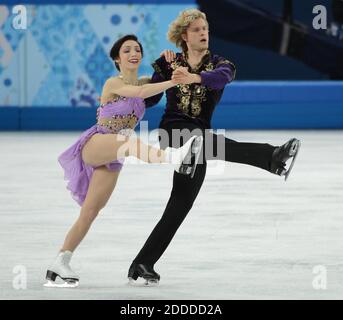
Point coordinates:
[[223, 74], [216, 79]]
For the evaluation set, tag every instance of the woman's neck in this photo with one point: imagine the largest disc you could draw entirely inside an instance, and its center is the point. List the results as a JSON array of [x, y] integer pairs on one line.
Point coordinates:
[[129, 77]]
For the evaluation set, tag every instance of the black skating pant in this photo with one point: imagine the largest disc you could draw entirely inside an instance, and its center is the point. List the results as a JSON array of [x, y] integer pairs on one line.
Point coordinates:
[[186, 189]]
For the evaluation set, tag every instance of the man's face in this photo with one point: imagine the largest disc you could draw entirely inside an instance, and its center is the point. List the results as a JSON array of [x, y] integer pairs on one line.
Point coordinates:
[[196, 36]]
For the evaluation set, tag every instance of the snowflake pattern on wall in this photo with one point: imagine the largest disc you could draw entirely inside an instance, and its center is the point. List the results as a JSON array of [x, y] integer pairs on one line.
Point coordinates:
[[62, 59]]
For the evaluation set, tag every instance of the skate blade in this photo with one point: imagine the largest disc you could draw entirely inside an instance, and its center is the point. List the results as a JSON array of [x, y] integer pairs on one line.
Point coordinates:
[[51, 284], [197, 150], [295, 149], [187, 168], [144, 283], [194, 150], [197, 144], [151, 283]]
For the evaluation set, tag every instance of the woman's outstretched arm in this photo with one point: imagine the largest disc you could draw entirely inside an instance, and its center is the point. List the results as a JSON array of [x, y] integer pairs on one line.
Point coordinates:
[[118, 87]]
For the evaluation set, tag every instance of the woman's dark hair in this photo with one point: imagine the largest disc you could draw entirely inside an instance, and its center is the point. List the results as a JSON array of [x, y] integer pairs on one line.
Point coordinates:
[[114, 53]]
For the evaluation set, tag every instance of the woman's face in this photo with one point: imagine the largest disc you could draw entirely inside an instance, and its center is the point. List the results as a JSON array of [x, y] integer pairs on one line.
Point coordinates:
[[130, 55]]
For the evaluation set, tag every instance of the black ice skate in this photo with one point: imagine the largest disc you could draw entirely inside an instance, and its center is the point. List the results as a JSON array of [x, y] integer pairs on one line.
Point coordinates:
[[190, 162], [282, 154], [144, 271]]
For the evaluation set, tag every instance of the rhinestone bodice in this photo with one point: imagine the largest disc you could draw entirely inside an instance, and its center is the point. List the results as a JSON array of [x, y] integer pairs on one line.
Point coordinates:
[[121, 114]]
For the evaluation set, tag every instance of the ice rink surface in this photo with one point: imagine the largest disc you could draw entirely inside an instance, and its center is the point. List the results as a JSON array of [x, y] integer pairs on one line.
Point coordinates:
[[249, 234]]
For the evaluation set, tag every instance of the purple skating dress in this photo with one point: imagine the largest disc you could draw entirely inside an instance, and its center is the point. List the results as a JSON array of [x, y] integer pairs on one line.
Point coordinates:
[[118, 116]]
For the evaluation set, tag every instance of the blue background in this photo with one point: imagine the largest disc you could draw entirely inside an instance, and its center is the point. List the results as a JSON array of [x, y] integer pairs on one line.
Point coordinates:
[[52, 73]]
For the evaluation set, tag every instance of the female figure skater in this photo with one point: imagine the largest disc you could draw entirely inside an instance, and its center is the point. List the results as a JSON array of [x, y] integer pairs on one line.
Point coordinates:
[[93, 163]]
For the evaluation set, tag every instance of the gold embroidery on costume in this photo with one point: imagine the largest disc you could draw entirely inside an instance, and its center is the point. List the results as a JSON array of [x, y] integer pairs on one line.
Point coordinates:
[[198, 67], [184, 95], [114, 99], [231, 64], [225, 62], [209, 66], [199, 96], [191, 97], [175, 64], [190, 100], [117, 123]]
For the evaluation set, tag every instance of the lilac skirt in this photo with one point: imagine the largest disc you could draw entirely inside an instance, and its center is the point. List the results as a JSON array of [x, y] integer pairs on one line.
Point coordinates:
[[76, 172]]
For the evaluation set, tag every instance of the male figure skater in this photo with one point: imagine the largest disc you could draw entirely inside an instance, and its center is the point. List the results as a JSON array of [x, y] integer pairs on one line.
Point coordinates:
[[190, 106]]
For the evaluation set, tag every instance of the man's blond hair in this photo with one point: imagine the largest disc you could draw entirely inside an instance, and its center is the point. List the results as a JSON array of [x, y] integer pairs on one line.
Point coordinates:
[[180, 25]]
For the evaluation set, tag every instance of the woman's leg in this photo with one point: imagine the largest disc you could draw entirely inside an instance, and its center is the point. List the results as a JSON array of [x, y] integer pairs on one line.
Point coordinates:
[[105, 148], [99, 191]]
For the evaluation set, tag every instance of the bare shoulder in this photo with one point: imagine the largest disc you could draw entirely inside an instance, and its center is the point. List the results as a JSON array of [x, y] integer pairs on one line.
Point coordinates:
[[110, 85], [144, 80], [113, 82]]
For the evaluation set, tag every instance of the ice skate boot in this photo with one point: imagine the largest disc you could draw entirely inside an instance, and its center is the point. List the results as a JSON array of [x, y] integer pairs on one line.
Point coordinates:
[[186, 158], [144, 271], [282, 154], [60, 268]]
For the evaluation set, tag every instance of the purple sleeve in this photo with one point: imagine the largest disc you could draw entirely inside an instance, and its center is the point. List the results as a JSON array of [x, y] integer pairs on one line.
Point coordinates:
[[153, 100], [223, 74]]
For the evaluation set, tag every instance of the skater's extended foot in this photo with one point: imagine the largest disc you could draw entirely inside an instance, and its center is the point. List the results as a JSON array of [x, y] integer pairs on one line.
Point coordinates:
[[282, 154], [144, 271], [61, 268], [185, 158]]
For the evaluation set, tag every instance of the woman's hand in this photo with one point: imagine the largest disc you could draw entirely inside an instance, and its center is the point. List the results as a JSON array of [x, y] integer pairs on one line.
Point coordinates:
[[181, 75], [169, 55]]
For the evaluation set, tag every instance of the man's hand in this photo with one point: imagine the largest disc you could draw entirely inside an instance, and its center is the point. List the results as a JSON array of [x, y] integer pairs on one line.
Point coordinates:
[[169, 55], [181, 75]]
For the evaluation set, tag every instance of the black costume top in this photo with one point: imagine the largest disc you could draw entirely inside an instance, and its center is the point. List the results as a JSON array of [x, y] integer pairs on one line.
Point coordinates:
[[193, 102]]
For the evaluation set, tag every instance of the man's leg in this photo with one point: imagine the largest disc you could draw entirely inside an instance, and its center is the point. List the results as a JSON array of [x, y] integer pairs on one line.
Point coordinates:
[[183, 194], [218, 147]]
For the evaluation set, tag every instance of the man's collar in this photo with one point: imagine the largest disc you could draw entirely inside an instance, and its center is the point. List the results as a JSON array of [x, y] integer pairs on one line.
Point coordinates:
[[205, 59]]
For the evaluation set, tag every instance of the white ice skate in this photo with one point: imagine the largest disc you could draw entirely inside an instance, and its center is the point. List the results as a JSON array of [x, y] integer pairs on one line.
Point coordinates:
[[60, 268], [186, 158]]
